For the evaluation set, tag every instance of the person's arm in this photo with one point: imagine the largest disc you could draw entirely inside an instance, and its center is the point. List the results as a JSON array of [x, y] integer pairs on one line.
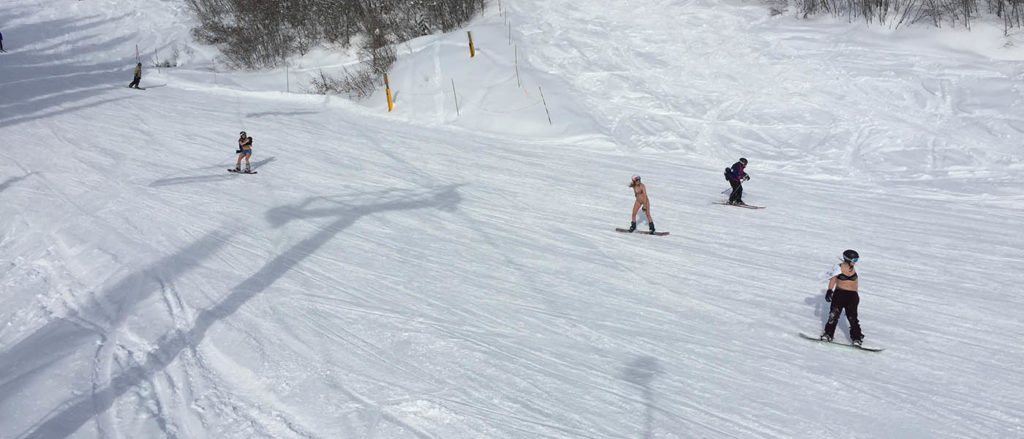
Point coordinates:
[[832, 282]]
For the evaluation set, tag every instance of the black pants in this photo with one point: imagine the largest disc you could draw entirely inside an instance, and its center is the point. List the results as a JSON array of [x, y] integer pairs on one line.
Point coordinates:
[[844, 300], [737, 191], [135, 82]]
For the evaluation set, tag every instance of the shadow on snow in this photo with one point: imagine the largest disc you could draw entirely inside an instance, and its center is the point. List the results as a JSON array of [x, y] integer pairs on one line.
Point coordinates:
[[345, 211]]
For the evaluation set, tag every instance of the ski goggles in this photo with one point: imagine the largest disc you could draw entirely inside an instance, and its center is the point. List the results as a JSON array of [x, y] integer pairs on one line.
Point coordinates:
[[854, 260]]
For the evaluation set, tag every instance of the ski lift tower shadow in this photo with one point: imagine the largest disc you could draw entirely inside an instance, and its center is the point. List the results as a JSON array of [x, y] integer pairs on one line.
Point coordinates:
[[642, 372], [74, 413]]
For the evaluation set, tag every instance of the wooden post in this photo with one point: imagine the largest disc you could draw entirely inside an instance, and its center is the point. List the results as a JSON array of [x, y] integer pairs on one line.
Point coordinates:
[[517, 68], [457, 113], [472, 51], [545, 104], [387, 89]]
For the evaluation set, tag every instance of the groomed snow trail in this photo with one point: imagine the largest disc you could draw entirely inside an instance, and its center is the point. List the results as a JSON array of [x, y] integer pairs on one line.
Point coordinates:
[[427, 274]]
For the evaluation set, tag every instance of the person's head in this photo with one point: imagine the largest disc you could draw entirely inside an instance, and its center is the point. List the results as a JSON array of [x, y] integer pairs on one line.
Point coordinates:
[[138, 65], [744, 161], [241, 134], [851, 257], [634, 181]]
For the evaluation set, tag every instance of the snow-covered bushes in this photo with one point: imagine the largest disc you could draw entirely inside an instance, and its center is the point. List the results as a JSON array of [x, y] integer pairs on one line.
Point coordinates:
[[900, 12], [261, 33]]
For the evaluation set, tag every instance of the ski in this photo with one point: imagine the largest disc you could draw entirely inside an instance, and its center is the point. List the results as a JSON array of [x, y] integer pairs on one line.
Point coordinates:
[[138, 88], [232, 170], [643, 232], [745, 206], [863, 348]]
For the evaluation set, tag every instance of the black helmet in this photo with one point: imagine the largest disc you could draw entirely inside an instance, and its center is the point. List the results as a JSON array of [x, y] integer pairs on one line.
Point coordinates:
[[241, 133], [850, 256], [743, 160]]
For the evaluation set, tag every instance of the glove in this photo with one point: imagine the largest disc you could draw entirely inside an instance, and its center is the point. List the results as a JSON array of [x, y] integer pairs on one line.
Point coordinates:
[[746, 177], [828, 296]]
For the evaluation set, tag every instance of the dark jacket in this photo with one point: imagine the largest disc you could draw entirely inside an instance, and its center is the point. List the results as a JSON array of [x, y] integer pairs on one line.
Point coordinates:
[[735, 173]]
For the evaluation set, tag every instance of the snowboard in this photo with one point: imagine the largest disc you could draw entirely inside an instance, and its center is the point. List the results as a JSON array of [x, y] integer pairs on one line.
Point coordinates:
[[232, 170], [863, 348], [645, 232], [745, 206]]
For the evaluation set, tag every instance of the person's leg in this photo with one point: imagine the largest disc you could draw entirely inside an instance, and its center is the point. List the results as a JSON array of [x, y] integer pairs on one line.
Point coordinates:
[[650, 220], [851, 315], [739, 192], [247, 161], [632, 221], [238, 164], [834, 311], [734, 195]]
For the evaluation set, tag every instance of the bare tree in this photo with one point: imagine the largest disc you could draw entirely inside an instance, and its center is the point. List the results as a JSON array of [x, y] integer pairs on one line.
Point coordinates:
[[896, 13], [261, 33]]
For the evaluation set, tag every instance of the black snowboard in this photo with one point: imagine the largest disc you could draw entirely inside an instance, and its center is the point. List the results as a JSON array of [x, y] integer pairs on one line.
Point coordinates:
[[642, 232], [863, 348]]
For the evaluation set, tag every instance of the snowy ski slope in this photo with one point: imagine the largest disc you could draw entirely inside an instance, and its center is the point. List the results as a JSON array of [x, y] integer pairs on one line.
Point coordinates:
[[453, 273]]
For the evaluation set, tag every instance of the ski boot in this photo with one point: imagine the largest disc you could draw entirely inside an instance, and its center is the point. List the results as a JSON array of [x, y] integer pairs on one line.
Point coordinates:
[[652, 227], [247, 170], [238, 168], [632, 227], [825, 337]]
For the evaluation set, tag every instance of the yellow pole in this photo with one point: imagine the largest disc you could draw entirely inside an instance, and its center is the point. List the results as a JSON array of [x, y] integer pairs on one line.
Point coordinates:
[[472, 51], [387, 88]]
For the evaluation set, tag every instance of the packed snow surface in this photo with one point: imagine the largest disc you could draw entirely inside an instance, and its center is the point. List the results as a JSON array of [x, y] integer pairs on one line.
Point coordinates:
[[451, 270]]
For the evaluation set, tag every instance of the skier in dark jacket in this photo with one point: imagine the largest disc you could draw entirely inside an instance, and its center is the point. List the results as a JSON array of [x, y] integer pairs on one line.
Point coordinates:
[[138, 76], [2, 42], [736, 176]]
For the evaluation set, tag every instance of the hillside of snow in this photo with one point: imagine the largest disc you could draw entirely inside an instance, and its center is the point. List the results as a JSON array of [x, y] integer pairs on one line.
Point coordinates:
[[451, 271]]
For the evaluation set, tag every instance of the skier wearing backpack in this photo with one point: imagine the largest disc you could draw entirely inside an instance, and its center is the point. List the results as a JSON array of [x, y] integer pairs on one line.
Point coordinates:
[[736, 176], [842, 294], [640, 192]]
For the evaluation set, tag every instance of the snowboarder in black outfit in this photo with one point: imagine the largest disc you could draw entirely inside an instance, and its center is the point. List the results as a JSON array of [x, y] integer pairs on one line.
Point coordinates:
[[736, 176], [842, 293], [138, 76], [2, 42], [244, 150]]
